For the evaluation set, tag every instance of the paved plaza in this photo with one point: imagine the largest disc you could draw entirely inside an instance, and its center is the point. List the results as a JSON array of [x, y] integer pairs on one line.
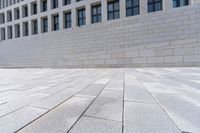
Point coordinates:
[[136, 100]]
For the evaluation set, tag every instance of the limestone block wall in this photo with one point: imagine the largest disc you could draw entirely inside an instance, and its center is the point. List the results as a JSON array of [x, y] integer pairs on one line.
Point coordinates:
[[166, 38]]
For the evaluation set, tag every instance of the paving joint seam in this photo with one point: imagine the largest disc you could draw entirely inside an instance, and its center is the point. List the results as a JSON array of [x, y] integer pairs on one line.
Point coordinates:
[[101, 118], [90, 103], [140, 102], [123, 101], [38, 107], [161, 107], [46, 112]]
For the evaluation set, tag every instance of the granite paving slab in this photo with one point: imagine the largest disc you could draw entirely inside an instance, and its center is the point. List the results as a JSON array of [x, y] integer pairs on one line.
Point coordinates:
[[147, 118], [55, 99], [183, 112], [108, 105], [91, 91], [19, 103], [135, 91], [61, 119], [95, 125], [18, 119]]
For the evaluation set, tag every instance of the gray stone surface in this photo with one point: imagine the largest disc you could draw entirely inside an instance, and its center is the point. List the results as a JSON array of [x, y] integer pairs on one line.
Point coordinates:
[[14, 121], [19, 103], [116, 84], [55, 99], [95, 125], [60, 119], [148, 100], [135, 91], [108, 105], [92, 90], [182, 111], [147, 118]]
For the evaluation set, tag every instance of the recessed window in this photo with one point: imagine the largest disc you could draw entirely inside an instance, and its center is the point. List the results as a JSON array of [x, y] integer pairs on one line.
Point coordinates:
[[113, 9], [132, 7], [17, 30], [154, 5], [25, 11], [81, 17], [7, 3], [3, 34], [14, 1], [9, 16], [2, 18], [67, 20], [10, 35], [43, 5], [54, 4], [55, 22], [25, 29], [96, 13], [16, 13], [34, 8], [66, 2], [179, 3], [44, 25], [34, 27]]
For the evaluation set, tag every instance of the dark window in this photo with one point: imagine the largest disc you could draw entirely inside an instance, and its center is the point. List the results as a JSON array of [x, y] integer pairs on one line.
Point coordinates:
[[81, 17], [66, 2], [96, 13], [25, 29], [9, 17], [113, 9], [34, 6], [3, 36], [179, 3], [154, 5], [44, 5], [25, 11], [54, 4], [132, 7], [35, 27], [17, 31], [10, 32], [67, 19], [2, 18], [55, 22], [45, 25], [16, 13]]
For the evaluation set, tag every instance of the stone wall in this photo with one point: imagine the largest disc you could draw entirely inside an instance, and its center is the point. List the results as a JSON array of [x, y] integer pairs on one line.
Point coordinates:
[[166, 38]]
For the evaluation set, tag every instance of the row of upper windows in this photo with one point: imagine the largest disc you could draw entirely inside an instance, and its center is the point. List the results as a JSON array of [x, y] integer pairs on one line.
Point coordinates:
[[43, 8], [131, 5], [113, 12], [6, 3], [44, 25]]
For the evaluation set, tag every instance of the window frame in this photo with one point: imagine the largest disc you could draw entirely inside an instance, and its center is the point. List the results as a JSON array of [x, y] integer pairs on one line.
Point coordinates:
[[55, 21], [98, 14], [153, 3], [132, 8], [114, 11], [67, 22], [81, 20], [178, 3]]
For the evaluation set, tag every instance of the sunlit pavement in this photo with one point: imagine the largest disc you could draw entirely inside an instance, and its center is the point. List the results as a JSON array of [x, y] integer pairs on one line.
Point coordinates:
[[135, 100]]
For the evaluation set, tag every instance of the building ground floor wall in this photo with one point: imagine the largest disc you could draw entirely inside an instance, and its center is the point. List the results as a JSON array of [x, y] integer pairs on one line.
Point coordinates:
[[168, 38]]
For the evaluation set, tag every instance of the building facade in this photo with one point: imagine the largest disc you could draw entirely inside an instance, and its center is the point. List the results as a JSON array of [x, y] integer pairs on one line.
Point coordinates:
[[99, 33]]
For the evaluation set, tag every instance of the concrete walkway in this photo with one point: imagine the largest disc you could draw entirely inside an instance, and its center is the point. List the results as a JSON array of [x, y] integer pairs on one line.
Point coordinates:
[[146, 100]]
